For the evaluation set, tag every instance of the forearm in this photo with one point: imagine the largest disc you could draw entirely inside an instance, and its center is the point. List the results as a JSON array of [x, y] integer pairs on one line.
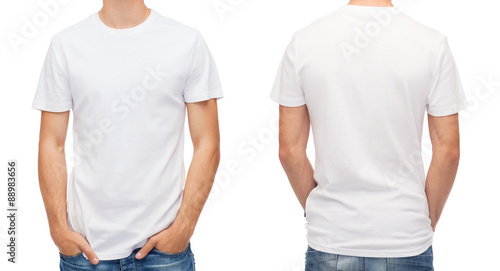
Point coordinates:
[[52, 176], [440, 179], [300, 173], [199, 182]]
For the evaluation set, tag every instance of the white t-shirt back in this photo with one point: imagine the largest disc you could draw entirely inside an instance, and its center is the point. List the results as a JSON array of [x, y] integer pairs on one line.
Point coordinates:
[[128, 90], [367, 76]]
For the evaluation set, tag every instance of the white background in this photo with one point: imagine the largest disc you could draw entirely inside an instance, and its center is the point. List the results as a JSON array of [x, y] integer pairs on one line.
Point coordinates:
[[253, 221]]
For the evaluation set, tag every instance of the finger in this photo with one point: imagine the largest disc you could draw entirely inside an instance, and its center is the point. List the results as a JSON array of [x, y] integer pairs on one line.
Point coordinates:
[[87, 250], [145, 249]]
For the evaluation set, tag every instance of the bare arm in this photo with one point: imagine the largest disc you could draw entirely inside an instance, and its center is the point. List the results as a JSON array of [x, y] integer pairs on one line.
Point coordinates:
[[444, 133], [52, 172], [52, 176], [293, 137], [204, 128]]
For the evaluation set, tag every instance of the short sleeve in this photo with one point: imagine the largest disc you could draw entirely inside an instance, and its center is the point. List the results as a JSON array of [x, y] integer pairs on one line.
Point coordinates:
[[446, 96], [287, 90], [53, 92], [203, 81]]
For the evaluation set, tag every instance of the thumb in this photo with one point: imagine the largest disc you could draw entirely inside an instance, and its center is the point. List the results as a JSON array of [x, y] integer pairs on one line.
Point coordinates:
[[145, 249], [87, 250]]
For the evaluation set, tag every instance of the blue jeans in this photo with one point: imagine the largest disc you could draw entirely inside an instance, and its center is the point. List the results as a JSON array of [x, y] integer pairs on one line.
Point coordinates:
[[155, 260], [321, 261]]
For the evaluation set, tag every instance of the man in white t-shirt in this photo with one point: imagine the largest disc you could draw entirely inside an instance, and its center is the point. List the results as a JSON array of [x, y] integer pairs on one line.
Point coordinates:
[[129, 74], [363, 78]]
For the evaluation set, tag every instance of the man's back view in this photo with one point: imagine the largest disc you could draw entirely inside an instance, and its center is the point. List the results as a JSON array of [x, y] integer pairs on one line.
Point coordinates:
[[364, 77]]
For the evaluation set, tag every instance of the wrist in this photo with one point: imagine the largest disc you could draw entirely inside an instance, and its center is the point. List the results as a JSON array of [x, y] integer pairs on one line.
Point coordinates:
[[182, 228], [58, 231]]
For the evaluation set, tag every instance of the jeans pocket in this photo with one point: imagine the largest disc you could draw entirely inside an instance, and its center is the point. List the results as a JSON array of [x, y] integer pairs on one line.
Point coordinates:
[[70, 257], [73, 262], [422, 262], [314, 257], [166, 254], [159, 260]]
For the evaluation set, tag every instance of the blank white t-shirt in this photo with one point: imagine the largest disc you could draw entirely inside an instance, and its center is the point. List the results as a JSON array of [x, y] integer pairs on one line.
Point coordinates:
[[128, 90], [367, 76]]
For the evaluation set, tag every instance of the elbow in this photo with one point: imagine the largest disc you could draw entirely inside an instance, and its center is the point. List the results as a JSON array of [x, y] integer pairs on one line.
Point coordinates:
[[209, 149], [451, 155], [48, 145], [454, 156], [289, 154], [216, 155], [284, 154]]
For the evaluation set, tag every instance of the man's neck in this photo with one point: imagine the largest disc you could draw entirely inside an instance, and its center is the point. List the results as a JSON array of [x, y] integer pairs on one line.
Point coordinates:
[[374, 3], [121, 14]]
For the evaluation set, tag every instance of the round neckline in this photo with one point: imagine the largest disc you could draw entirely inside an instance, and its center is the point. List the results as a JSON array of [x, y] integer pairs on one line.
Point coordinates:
[[124, 31]]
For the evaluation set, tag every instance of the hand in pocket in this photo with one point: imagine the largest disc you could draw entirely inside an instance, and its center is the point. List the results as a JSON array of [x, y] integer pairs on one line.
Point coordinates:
[[71, 243]]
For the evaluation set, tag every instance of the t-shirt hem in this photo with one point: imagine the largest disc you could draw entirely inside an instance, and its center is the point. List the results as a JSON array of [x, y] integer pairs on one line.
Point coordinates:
[[372, 253], [215, 93], [287, 102], [114, 256], [50, 107], [441, 112]]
